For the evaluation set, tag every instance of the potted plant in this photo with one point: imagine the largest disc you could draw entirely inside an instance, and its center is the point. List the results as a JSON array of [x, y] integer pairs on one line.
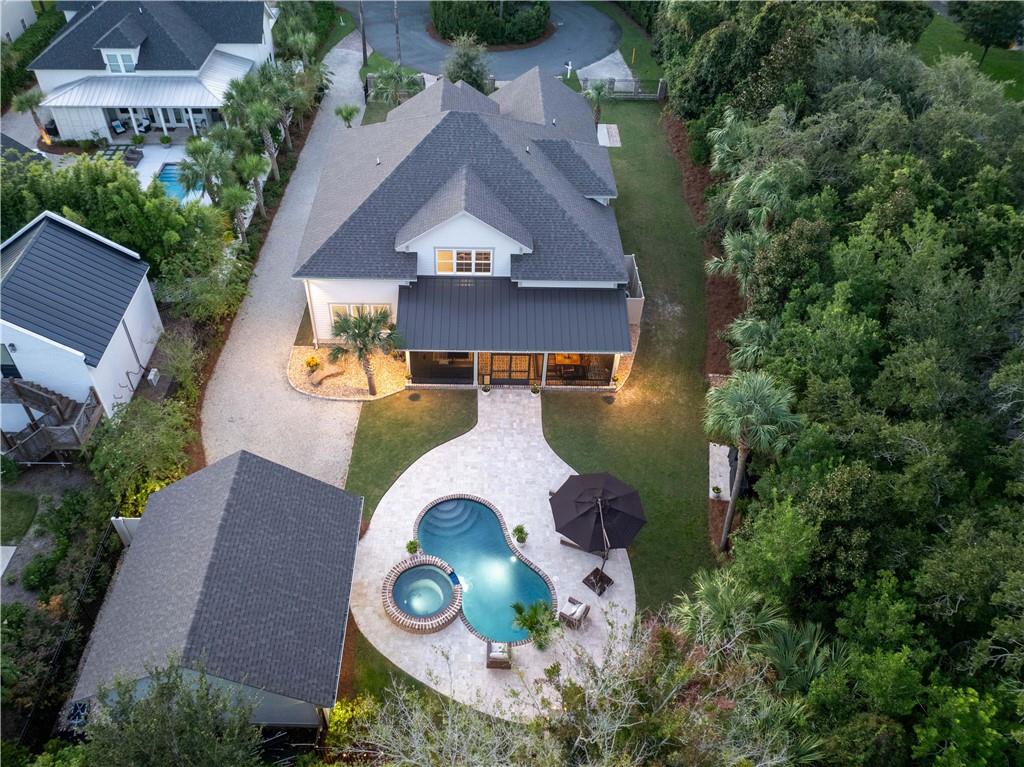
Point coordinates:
[[520, 534], [412, 546], [165, 140], [486, 388], [535, 390], [312, 364], [717, 491], [537, 620], [138, 139]]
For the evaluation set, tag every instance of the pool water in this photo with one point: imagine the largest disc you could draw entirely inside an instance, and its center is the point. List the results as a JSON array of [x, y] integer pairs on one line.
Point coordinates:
[[468, 536], [422, 591], [169, 176]]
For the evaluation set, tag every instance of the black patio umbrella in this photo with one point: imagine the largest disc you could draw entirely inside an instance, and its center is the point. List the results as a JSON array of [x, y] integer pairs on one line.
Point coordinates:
[[597, 512]]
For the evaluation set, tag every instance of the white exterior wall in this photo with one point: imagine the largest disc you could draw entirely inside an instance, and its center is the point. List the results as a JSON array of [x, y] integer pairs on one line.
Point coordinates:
[[464, 231], [80, 122], [46, 363], [12, 14], [118, 374], [322, 293]]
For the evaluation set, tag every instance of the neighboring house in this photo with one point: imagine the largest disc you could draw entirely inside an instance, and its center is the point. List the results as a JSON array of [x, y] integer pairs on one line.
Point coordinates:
[[483, 224], [15, 17], [78, 324], [8, 144], [148, 65], [243, 569]]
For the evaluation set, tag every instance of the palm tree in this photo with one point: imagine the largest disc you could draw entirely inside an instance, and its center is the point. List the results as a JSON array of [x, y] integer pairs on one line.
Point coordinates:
[[206, 166], [729, 143], [252, 167], [279, 87], [799, 655], [751, 410], [723, 612], [595, 94], [260, 115], [347, 113], [741, 250], [28, 102], [392, 81], [234, 199], [303, 44], [751, 338], [535, 619], [230, 138], [398, 38], [365, 333], [9, 57]]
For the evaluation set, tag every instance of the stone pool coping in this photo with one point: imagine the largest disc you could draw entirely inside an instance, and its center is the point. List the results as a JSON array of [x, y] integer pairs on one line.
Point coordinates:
[[402, 619], [508, 540]]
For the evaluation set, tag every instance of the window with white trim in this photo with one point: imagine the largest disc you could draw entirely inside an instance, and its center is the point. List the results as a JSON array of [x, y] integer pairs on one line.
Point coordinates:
[[463, 261], [354, 310], [120, 62], [113, 62]]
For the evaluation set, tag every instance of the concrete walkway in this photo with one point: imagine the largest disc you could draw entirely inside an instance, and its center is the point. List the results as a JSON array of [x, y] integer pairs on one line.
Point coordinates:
[[506, 460], [249, 403], [582, 35]]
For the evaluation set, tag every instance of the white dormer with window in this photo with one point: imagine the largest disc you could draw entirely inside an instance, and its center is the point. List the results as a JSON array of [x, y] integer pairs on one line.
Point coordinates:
[[120, 61]]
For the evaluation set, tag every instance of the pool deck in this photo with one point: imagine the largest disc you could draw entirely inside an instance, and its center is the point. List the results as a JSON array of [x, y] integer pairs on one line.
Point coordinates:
[[154, 157], [505, 460]]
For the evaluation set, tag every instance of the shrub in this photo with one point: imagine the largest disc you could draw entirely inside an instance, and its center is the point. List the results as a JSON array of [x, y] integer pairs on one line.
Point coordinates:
[[520, 23], [467, 61], [31, 43], [9, 470], [182, 360], [412, 546], [165, 140], [312, 363], [345, 719]]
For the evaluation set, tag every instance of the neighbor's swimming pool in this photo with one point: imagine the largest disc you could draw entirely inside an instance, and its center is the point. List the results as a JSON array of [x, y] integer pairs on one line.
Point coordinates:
[[468, 536], [170, 177]]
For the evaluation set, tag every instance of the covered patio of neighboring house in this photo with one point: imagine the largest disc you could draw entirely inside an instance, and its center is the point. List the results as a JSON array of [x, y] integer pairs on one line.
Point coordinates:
[[118, 107]]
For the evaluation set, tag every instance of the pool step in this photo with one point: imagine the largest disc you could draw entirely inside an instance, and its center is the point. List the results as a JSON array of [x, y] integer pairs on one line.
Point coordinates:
[[450, 518]]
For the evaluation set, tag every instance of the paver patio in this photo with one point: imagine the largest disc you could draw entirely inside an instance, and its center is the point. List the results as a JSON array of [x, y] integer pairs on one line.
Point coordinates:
[[506, 460]]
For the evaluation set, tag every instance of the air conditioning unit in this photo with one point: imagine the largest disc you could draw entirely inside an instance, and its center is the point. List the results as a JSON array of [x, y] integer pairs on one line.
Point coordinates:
[[153, 377]]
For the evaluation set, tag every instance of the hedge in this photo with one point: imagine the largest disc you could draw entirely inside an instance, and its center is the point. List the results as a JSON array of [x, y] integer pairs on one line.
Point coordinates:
[[522, 22], [643, 12], [32, 42]]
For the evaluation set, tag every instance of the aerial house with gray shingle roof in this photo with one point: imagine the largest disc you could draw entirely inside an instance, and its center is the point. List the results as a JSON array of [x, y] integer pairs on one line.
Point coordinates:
[[135, 67], [484, 226], [242, 570]]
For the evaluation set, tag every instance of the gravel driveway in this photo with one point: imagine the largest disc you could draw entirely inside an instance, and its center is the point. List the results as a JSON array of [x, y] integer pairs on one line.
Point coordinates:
[[249, 403]]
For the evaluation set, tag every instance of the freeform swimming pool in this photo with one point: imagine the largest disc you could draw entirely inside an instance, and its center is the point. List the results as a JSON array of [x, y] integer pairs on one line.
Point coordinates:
[[470, 537], [170, 177]]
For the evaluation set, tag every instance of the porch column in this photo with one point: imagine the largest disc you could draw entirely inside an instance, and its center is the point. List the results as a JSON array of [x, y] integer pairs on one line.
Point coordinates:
[[408, 363], [192, 120], [135, 125], [544, 371], [163, 124], [615, 366], [476, 367]]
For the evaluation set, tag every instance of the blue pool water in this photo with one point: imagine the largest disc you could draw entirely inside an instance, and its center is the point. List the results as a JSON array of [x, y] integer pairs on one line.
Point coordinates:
[[468, 536], [169, 177], [422, 591]]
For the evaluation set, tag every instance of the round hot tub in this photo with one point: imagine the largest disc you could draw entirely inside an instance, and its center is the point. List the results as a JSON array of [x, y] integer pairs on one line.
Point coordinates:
[[422, 594]]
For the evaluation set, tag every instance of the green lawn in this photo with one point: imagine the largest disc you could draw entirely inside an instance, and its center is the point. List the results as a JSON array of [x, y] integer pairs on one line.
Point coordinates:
[[651, 434], [17, 510], [943, 36], [395, 431], [635, 45], [375, 63], [346, 23]]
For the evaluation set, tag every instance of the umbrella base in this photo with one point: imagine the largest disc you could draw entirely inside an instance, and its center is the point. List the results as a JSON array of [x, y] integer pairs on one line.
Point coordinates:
[[598, 581]]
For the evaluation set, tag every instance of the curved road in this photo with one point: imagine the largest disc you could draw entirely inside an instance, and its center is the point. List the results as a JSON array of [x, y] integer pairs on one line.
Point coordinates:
[[583, 35]]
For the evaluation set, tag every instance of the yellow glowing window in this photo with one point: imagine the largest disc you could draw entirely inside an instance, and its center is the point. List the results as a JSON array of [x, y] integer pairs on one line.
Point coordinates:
[[445, 261]]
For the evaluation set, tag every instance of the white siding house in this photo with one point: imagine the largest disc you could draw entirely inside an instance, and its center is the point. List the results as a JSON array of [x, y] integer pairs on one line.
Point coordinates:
[[15, 17]]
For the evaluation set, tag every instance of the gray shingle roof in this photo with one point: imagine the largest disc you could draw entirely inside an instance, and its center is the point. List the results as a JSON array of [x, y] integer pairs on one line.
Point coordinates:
[[444, 96], [127, 33], [177, 35], [568, 156], [493, 314], [244, 567], [464, 191], [67, 286], [8, 143], [361, 205], [545, 100]]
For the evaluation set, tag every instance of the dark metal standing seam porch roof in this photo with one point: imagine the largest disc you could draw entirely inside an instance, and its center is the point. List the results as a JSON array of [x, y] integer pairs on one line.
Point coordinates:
[[493, 314]]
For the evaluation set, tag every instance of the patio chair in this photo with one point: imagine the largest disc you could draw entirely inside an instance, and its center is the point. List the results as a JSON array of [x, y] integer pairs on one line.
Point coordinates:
[[573, 613], [499, 655], [132, 157], [118, 127]]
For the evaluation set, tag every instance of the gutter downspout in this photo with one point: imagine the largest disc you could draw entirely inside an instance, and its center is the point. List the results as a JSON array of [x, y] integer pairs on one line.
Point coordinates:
[[312, 317]]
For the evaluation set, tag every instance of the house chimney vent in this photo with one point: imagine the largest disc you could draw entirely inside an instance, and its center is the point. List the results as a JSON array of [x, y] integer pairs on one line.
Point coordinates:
[[554, 121], [527, 148], [378, 161]]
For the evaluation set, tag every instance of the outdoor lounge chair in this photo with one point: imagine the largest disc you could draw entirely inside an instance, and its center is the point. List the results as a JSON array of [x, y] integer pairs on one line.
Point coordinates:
[[132, 157], [118, 127], [499, 655], [573, 613]]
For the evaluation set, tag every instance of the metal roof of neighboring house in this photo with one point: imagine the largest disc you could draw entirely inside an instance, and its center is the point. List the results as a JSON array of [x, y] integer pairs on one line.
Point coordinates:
[[494, 314], [538, 98], [67, 284], [380, 177], [243, 568], [444, 96], [206, 90], [464, 192], [171, 35]]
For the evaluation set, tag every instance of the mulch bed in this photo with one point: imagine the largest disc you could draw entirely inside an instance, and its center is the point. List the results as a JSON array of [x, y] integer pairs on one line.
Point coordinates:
[[432, 31], [722, 300], [716, 518]]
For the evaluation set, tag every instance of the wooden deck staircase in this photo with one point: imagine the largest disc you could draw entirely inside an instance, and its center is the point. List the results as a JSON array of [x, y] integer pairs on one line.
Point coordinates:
[[56, 423]]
